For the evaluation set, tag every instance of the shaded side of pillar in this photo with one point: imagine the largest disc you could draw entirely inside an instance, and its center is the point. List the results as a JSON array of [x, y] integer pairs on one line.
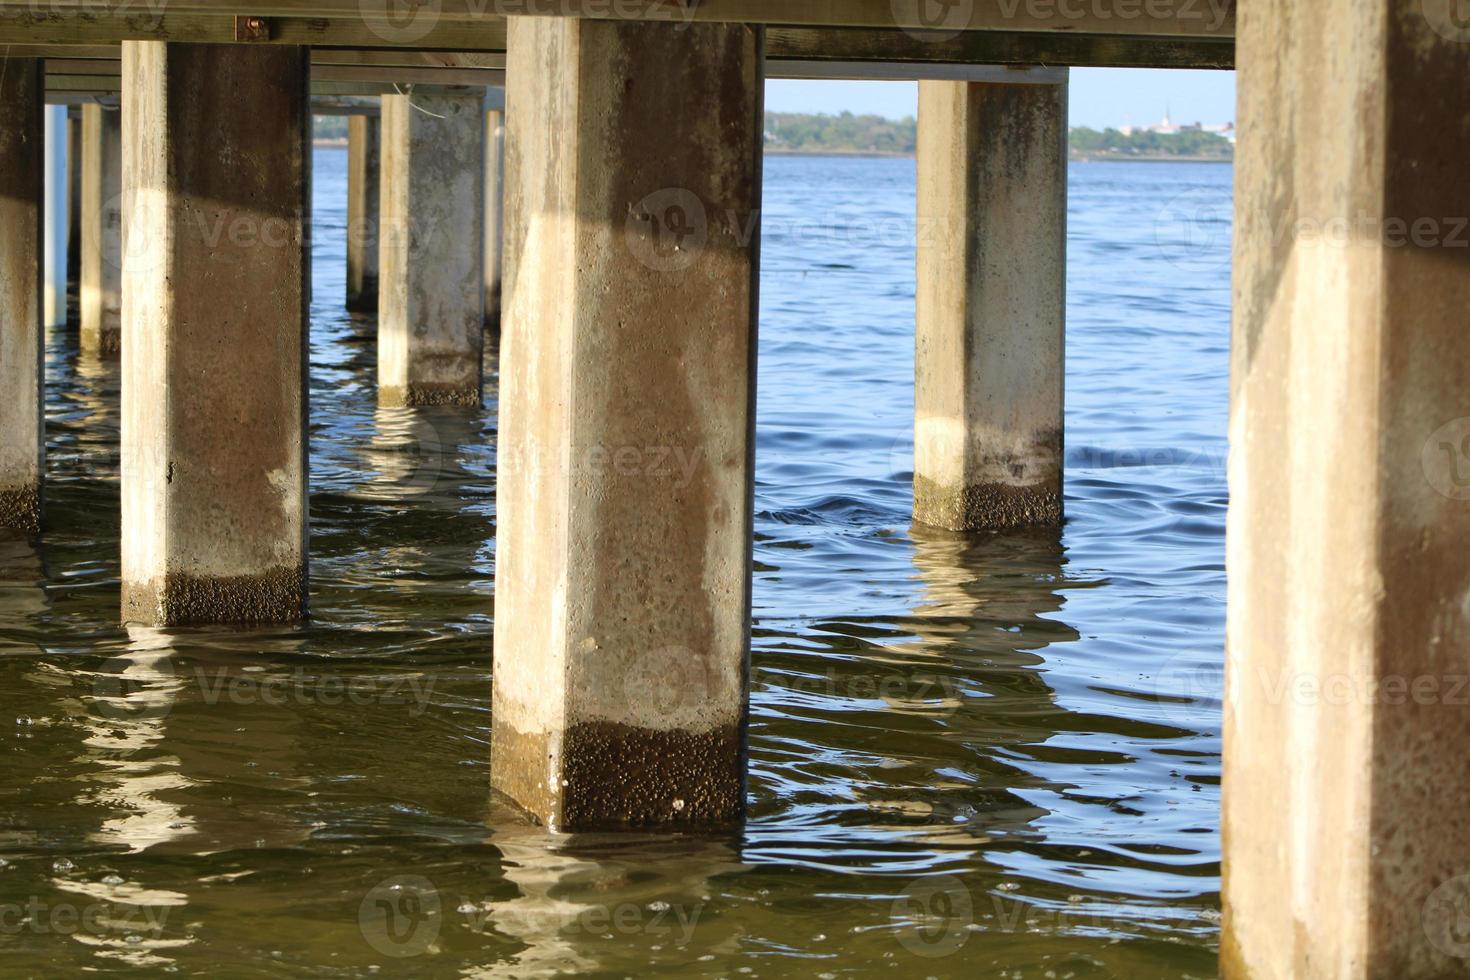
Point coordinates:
[[214, 345], [494, 232], [432, 294], [623, 573], [74, 195], [992, 224], [56, 220], [1346, 808], [22, 159], [101, 206], [363, 160]]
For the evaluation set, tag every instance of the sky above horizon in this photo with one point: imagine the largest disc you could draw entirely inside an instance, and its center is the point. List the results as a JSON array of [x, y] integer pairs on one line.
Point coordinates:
[[1100, 97]]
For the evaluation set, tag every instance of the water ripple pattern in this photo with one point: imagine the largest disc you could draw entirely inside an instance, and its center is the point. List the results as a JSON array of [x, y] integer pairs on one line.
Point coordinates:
[[984, 755]]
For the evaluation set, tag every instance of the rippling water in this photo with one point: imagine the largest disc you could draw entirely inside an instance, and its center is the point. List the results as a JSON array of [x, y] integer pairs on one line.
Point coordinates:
[[994, 755]]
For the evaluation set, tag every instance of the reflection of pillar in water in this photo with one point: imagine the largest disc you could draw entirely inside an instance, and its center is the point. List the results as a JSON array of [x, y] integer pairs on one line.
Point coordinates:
[[573, 891], [407, 456], [985, 610], [125, 717], [22, 591]]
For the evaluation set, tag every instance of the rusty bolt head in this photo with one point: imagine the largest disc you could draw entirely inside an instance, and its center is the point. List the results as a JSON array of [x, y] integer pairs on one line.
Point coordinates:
[[251, 29]]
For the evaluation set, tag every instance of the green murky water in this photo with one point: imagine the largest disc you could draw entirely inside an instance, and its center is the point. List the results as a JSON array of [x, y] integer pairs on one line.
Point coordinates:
[[970, 757]]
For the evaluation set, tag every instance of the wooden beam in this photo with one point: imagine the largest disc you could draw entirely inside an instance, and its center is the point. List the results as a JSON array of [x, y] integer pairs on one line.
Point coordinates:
[[1158, 18], [999, 48], [388, 57], [76, 26], [482, 45], [73, 88]]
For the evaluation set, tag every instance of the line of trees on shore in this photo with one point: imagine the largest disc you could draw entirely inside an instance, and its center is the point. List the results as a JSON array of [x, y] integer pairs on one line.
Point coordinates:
[[800, 132]]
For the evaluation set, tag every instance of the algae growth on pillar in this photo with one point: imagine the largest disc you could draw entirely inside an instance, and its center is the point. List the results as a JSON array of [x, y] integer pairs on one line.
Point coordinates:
[[991, 303], [22, 466], [431, 316], [101, 224], [214, 508], [623, 573]]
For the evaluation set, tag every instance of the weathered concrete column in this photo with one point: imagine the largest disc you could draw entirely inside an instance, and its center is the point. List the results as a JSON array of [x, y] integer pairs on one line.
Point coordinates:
[[22, 89], [101, 290], [622, 601], [494, 195], [214, 343], [1346, 793], [432, 317], [363, 156], [53, 252], [991, 303]]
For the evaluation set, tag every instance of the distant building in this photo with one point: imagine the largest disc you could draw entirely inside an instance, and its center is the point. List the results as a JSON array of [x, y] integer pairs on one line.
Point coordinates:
[[1167, 127]]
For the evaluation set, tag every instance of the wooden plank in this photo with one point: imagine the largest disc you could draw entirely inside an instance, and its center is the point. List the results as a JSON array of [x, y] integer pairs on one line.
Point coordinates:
[[387, 57], [1155, 18], [495, 77], [75, 26], [482, 44], [408, 76], [999, 48], [58, 85]]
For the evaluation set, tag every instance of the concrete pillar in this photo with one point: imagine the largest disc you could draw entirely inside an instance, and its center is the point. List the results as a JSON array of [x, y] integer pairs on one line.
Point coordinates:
[[74, 195], [1346, 792], [101, 169], [494, 166], [363, 156], [432, 317], [22, 159], [992, 226], [57, 222], [623, 571], [214, 341]]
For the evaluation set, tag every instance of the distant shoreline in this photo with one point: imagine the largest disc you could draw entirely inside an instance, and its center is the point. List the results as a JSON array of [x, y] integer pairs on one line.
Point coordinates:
[[340, 143], [1145, 158], [787, 152], [1075, 158]]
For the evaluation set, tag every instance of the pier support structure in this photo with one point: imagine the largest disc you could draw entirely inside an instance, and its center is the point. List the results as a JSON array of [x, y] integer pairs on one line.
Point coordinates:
[[74, 195], [991, 303], [57, 220], [431, 320], [214, 344], [364, 155], [1346, 794], [101, 206], [22, 89], [623, 573], [494, 212]]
